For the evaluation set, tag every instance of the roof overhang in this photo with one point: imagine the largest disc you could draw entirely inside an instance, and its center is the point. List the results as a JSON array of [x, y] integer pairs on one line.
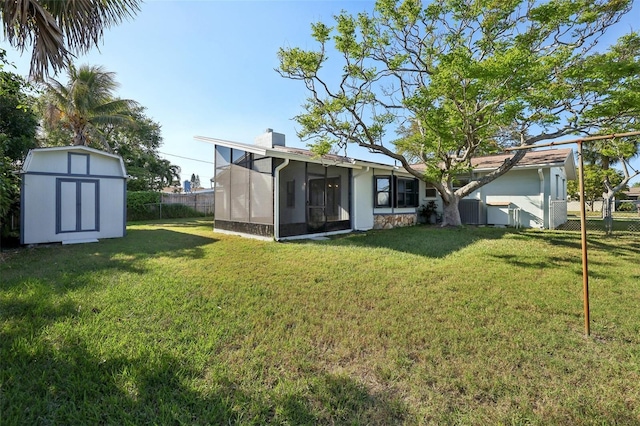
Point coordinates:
[[283, 153]]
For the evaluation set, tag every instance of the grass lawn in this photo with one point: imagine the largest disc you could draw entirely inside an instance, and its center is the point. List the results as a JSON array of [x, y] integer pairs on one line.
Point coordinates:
[[174, 324]]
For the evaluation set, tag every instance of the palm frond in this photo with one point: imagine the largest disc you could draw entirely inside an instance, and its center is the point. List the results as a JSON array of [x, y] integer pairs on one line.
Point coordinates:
[[86, 104], [59, 28]]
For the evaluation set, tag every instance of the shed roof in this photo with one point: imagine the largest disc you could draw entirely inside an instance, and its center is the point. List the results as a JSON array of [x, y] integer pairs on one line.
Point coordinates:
[[26, 166]]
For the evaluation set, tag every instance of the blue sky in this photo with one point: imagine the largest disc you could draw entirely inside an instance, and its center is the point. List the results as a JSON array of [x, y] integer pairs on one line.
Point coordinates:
[[207, 68]]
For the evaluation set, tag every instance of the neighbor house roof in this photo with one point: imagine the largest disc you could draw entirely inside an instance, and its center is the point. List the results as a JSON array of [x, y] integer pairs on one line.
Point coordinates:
[[633, 192]]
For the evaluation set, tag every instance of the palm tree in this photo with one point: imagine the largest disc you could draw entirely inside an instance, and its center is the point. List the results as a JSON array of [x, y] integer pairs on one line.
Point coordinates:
[[57, 29], [85, 106]]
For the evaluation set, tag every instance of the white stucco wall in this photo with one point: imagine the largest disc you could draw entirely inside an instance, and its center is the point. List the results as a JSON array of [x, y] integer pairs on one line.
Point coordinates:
[[364, 195], [522, 188], [363, 199]]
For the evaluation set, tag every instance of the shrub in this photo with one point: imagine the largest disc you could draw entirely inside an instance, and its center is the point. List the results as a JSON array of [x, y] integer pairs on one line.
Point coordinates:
[[140, 205], [626, 207], [147, 205], [172, 211]]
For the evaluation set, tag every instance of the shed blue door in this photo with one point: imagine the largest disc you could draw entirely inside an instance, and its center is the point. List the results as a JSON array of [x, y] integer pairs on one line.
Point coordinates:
[[77, 205]]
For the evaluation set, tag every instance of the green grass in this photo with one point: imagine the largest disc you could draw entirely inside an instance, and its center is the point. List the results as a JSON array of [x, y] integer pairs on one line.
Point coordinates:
[[174, 324]]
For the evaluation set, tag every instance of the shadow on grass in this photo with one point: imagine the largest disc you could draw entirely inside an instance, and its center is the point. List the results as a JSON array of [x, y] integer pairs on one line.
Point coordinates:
[[517, 260], [428, 241], [176, 223], [63, 266], [65, 383], [35, 281], [619, 244]]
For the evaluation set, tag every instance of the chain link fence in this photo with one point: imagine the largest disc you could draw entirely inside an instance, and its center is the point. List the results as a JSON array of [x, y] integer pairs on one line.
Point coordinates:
[[201, 202], [173, 206], [622, 222]]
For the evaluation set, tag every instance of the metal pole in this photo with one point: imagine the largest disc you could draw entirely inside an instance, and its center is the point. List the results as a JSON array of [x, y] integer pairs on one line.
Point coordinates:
[[583, 229], [583, 220]]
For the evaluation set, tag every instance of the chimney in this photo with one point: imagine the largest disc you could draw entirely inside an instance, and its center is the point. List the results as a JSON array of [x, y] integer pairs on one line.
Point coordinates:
[[269, 139]]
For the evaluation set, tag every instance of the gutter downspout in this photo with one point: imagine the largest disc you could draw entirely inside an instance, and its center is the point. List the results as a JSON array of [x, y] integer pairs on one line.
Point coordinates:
[[355, 204], [541, 175], [276, 199]]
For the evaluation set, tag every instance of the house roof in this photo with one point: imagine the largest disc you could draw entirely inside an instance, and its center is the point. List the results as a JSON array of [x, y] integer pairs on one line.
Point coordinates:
[[633, 191], [546, 157], [532, 159], [301, 154]]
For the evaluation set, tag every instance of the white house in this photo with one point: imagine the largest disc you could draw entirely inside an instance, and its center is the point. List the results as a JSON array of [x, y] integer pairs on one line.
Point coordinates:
[[270, 190], [72, 194], [313, 195], [533, 194]]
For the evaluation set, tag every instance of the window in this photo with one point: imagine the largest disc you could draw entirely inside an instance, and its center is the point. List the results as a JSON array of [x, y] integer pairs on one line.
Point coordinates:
[[382, 191], [461, 181], [391, 191], [430, 191], [223, 156], [241, 158], [261, 164], [407, 192], [291, 193]]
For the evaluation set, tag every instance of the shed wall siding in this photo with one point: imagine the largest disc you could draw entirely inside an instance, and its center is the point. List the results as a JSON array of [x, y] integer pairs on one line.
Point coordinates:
[[61, 202]]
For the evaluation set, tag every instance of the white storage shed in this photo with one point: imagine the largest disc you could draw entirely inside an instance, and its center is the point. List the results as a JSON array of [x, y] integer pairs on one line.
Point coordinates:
[[72, 194]]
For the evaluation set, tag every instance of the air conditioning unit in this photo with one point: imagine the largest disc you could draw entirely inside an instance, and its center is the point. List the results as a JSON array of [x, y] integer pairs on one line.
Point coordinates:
[[472, 212]]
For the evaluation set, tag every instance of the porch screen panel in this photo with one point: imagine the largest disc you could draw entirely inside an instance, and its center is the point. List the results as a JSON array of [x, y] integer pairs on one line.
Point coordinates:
[[222, 183], [68, 206], [261, 198], [240, 193], [88, 207]]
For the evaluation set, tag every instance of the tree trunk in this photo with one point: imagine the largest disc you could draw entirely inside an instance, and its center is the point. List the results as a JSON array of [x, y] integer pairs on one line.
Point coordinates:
[[78, 139], [451, 214], [607, 211]]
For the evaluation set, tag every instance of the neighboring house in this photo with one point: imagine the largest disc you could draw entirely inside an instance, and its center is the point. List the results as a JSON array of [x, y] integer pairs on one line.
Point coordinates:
[[633, 193], [72, 194], [532, 195], [334, 194]]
